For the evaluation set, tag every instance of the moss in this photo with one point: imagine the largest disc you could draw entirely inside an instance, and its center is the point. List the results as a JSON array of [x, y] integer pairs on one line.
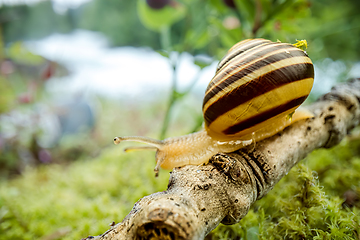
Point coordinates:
[[83, 198], [57, 202], [309, 202]]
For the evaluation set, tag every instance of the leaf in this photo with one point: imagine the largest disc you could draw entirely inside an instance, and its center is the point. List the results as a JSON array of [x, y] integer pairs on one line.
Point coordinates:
[[158, 19], [247, 9], [228, 40], [266, 6], [202, 61], [197, 39], [279, 9], [20, 54], [163, 53]]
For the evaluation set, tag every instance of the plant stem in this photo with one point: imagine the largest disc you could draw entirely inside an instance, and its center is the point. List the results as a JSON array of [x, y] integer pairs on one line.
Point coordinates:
[[173, 59], [165, 39], [171, 103]]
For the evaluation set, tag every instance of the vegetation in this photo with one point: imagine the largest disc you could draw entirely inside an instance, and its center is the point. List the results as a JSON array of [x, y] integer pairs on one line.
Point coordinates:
[[70, 202], [331, 27], [74, 185]]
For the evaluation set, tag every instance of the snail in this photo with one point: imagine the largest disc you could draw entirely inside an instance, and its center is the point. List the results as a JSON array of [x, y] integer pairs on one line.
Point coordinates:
[[256, 89]]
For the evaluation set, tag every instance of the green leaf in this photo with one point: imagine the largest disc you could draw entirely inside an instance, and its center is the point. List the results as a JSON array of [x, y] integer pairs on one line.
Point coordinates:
[[20, 54], [163, 53], [247, 9], [219, 6], [266, 6], [197, 39], [202, 62], [279, 9], [161, 18]]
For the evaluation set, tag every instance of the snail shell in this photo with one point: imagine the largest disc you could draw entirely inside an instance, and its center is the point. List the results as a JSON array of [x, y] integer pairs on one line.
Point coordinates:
[[257, 83], [256, 89]]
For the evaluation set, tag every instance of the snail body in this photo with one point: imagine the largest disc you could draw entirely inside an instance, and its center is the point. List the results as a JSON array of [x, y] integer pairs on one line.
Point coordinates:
[[256, 89]]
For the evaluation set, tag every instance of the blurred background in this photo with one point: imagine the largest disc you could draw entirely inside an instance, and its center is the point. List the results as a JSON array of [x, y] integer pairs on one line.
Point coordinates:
[[76, 73]]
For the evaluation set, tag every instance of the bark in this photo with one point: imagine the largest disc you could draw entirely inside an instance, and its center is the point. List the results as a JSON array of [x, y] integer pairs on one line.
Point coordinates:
[[199, 198]]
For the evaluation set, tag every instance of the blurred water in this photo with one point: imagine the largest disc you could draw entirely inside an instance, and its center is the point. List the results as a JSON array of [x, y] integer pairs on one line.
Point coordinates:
[[141, 73], [121, 72]]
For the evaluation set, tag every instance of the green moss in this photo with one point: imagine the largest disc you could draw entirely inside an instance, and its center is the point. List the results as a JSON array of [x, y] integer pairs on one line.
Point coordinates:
[[308, 203], [76, 201], [81, 199]]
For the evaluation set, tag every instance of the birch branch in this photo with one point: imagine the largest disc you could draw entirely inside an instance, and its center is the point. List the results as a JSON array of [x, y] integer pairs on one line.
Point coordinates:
[[199, 198]]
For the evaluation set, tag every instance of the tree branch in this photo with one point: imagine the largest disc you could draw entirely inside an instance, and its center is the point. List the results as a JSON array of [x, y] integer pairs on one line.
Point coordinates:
[[198, 198]]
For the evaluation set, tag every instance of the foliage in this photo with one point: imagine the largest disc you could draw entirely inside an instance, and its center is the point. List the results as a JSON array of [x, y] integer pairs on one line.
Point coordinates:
[[155, 19], [331, 27], [32, 21], [218, 24], [334, 29], [119, 22], [21, 55]]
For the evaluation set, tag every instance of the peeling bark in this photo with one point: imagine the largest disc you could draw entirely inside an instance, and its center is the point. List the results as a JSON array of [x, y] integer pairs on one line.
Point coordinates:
[[199, 198]]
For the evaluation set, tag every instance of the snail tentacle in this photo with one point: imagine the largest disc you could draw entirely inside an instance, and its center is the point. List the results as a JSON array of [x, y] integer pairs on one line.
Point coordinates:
[[153, 142]]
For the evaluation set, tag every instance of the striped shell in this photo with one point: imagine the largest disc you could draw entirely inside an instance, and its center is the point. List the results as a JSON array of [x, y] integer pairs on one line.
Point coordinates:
[[256, 84]]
